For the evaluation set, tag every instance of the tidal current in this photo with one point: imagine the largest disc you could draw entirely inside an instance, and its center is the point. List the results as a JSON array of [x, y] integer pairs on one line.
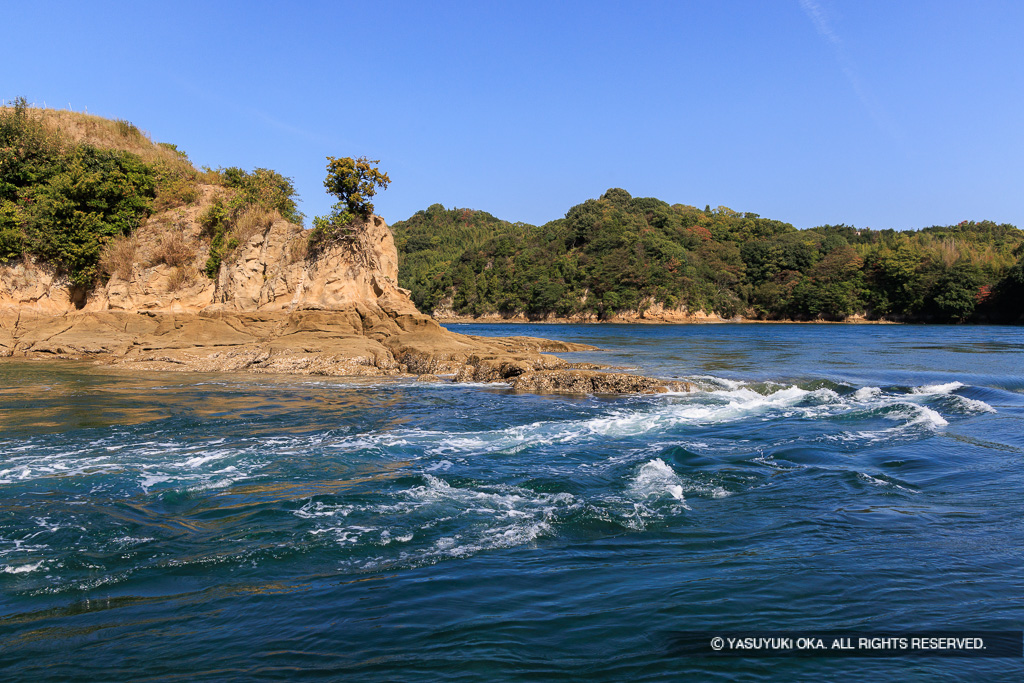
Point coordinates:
[[179, 526]]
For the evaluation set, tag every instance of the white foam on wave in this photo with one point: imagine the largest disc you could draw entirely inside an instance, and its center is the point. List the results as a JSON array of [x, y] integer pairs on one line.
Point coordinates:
[[22, 568], [163, 461], [875, 481], [445, 520], [218, 479], [314, 509], [972, 405], [52, 527], [909, 415], [934, 389], [654, 479], [915, 409], [386, 537], [199, 460], [716, 382], [672, 411], [19, 545], [923, 415], [696, 409], [707, 407], [148, 481], [866, 393], [64, 463], [511, 501], [125, 542], [344, 535], [125, 464], [652, 493]]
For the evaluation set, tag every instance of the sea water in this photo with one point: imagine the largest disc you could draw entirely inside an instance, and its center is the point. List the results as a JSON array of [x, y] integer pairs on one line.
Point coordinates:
[[180, 526]]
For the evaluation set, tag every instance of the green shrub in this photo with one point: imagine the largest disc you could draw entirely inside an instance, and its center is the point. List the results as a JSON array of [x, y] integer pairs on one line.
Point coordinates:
[[65, 202], [11, 244], [28, 153], [12, 241], [228, 225], [174, 148], [354, 182], [97, 195], [263, 188], [215, 223]]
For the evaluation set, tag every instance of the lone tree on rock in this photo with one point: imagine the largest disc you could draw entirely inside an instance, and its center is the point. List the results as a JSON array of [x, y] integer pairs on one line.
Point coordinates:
[[354, 182]]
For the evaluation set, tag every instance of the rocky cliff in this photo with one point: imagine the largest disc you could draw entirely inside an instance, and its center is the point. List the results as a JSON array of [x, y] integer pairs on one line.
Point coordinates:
[[267, 271]]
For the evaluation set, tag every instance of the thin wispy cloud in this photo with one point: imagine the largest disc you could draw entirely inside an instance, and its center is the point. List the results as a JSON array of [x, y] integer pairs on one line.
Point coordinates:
[[251, 112], [817, 14]]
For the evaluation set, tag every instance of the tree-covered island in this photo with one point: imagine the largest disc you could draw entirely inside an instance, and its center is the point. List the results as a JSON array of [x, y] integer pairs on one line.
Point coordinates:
[[622, 254]]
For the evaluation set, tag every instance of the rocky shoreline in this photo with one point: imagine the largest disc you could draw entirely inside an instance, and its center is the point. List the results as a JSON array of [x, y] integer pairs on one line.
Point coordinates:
[[360, 341], [645, 319]]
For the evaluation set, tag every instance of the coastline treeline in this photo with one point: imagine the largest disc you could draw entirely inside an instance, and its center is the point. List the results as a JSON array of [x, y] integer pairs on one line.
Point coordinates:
[[620, 254]]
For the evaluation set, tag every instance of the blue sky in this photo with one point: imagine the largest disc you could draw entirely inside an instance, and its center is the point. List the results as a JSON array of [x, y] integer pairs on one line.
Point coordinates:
[[875, 114]]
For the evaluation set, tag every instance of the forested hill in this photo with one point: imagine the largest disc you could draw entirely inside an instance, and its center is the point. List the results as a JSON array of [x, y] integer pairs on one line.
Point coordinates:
[[620, 254]]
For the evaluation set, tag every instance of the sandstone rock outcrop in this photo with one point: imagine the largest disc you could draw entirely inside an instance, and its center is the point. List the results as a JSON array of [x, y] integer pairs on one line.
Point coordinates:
[[29, 286], [267, 271]]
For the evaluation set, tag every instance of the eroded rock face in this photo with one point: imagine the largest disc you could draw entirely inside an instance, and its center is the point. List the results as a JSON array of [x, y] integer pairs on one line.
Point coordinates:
[[356, 341], [154, 288], [28, 286], [364, 269], [359, 340], [263, 273]]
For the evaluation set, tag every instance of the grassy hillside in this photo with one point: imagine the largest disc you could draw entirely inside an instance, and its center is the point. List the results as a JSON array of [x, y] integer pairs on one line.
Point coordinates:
[[74, 188], [621, 254]]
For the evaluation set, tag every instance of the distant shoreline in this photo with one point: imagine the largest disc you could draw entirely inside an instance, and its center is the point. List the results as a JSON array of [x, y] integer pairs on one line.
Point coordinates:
[[488, 320]]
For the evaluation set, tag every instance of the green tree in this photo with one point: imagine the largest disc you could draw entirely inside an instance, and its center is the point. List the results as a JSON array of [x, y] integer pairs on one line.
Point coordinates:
[[354, 182], [896, 278], [621, 253], [98, 195], [955, 292]]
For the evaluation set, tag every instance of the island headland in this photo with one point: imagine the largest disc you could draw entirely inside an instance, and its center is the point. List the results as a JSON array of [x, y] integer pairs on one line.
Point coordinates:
[[213, 272]]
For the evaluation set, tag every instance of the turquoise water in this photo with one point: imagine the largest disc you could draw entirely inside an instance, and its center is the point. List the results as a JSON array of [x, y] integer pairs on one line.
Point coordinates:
[[170, 526]]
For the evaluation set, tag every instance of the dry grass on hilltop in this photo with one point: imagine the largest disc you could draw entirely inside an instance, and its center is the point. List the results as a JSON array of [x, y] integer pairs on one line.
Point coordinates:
[[113, 133]]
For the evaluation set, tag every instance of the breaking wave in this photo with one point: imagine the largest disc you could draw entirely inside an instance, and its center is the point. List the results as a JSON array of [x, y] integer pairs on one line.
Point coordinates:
[[843, 413]]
